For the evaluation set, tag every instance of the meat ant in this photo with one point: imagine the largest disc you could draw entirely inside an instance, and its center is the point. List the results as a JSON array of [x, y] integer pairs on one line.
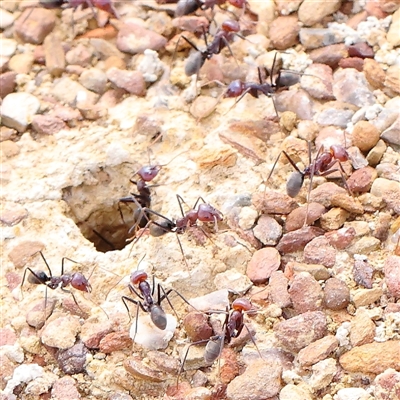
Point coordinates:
[[231, 328], [76, 280], [186, 7]]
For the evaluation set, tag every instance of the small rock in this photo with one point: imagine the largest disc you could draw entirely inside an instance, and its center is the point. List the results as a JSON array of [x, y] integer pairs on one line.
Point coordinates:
[[334, 116], [7, 83], [47, 124], [324, 193], [374, 73], [317, 351], [230, 367], [365, 297], [386, 385], [21, 63], [393, 33], [352, 62], [284, 32], [300, 331], [362, 329], [357, 158], [365, 135], [197, 326], [37, 315], [341, 238], [8, 47], [319, 251], [65, 388], [34, 25], [295, 392], [91, 333], [296, 101], [313, 38], [334, 219], [18, 109], [295, 220], [306, 293], [349, 203], [247, 217], [7, 336], [362, 273], [337, 294], [115, 341], [372, 358], [319, 272], [191, 23], [79, 55], [163, 361], [253, 381], [263, 263], [392, 275], [133, 38], [371, 203], [323, 373], [272, 202], [365, 245], [361, 180], [132, 81], [93, 79], [267, 231], [136, 367], [69, 91], [22, 252], [278, 289], [6, 19], [311, 12], [376, 153], [54, 55], [392, 134], [72, 361], [61, 332], [317, 81], [296, 240], [362, 50], [382, 226], [9, 149], [232, 278]]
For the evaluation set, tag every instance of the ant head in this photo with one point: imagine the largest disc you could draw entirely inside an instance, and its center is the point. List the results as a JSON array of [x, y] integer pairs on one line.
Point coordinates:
[[241, 304], [38, 277], [158, 317], [79, 282], [230, 26], [339, 152], [235, 89], [294, 183], [149, 172], [138, 277], [207, 213]]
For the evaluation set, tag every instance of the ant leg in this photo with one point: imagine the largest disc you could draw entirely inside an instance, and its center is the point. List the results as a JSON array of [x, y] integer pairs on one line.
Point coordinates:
[[136, 302], [112, 247], [47, 265], [238, 99], [252, 339], [230, 50], [342, 173], [165, 296], [197, 201], [181, 201]]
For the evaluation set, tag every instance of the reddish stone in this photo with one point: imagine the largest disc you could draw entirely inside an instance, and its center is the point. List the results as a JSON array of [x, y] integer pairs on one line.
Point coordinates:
[[296, 240], [392, 275], [337, 294], [197, 326], [115, 341], [352, 62], [341, 238], [306, 293], [263, 263]]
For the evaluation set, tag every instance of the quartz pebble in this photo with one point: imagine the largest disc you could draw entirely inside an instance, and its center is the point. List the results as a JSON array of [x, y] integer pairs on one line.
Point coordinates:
[[278, 289], [65, 388], [319, 272], [38, 314], [386, 384], [390, 192], [69, 91], [336, 294], [132, 81], [317, 81], [47, 124], [392, 134], [310, 12], [324, 193], [272, 202], [284, 32], [341, 238], [334, 219], [362, 329]]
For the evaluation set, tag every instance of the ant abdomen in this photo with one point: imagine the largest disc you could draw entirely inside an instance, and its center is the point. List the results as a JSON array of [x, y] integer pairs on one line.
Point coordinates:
[[230, 26], [160, 228], [138, 277], [213, 349], [294, 183], [158, 317], [39, 278], [194, 63]]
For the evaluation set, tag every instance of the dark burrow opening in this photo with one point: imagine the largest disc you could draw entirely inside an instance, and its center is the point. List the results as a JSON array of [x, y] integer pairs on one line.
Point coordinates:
[[95, 208]]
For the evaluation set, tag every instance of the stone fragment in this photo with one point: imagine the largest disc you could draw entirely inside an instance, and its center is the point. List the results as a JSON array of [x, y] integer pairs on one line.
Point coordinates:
[[361, 180], [136, 367], [80, 55], [334, 219], [317, 81], [386, 385], [374, 73], [163, 362], [47, 124], [336, 294], [393, 33], [296, 101], [8, 47], [73, 360], [324, 193], [392, 134], [91, 333], [105, 49], [272, 202], [376, 153], [361, 49], [319, 251], [365, 297], [362, 330], [65, 388], [54, 55], [365, 245], [7, 83], [323, 373], [313, 38], [310, 12], [61, 332], [295, 220], [392, 275], [133, 38], [341, 238], [18, 109], [69, 91], [317, 351], [392, 80], [22, 252], [278, 289], [21, 63], [298, 332], [305, 293], [131, 81], [263, 263], [6, 19], [252, 383], [372, 358], [284, 32], [230, 367], [39, 312], [319, 272], [382, 226], [268, 231], [7, 337], [352, 62], [94, 79], [365, 135], [347, 202], [34, 25], [371, 203], [197, 326], [296, 240], [115, 341], [295, 392], [362, 273], [357, 158], [191, 23]]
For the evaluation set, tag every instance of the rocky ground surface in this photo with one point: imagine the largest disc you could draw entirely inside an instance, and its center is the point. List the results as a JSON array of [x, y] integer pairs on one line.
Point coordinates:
[[84, 100]]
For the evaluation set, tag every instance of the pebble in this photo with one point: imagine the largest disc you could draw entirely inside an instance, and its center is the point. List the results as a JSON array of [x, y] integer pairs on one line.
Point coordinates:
[[363, 273], [334, 219], [347, 202], [295, 220], [350, 86], [390, 192], [376, 153], [372, 358], [365, 135], [262, 379], [7, 336], [278, 289], [300, 331], [319, 251], [352, 62], [392, 134], [37, 315], [263, 263], [393, 33], [6, 19], [47, 124], [334, 116], [232, 278], [317, 81], [21, 63], [61, 332], [34, 25], [132, 81], [164, 362], [356, 157], [386, 384], [374, 73], [324, 193], [92, 332], [323, 374], [361, 180], [191, 23], [9, 149], [135, 366], [361, 49], [230, 367], [272, 202], [284, 32], [310, 12], [7, 83], [197, 326], [296, 101], [337, 294], [80, 55], [73, 360], [268, 231], [382, 226], [22, 252], [365, 297], [328, 136], [392, 275], [371, 203], [18, 109], [8, 47], [329, 55], [247, 217], [94, 79], [69, 91], [104, 49], [54, 55], [295, 392], [306, 293], [115, 341], [365, 245], [317, 351], [362, 328], [296, 240], [133, 38], [65, 388], [313, 38], [319, 272]]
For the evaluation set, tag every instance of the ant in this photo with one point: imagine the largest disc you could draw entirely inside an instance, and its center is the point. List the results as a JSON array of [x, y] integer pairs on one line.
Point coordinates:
[[76, 279], [223, 36], [186, 7], [231, 328]]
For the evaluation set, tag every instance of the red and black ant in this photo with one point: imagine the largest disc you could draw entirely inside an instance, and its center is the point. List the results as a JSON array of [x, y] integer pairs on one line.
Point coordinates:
[[186, 7]]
